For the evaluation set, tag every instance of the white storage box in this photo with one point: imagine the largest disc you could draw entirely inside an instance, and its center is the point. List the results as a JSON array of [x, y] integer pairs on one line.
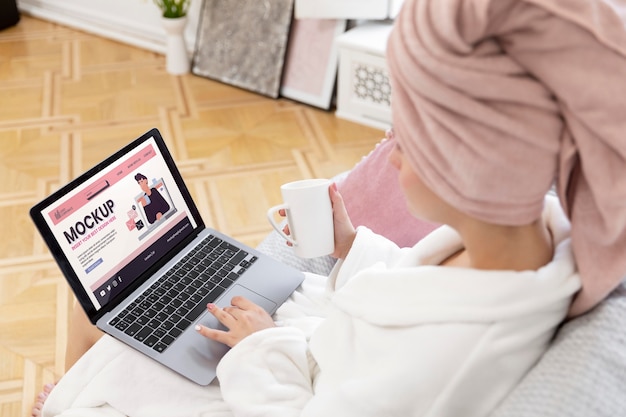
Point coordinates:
[[346, 9], [363, 89]]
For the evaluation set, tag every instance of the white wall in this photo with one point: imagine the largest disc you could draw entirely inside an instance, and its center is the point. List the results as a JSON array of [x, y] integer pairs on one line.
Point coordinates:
[[136, 22]]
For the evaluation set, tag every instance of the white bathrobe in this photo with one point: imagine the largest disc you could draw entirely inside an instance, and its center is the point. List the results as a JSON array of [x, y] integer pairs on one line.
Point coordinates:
[[389, 333]]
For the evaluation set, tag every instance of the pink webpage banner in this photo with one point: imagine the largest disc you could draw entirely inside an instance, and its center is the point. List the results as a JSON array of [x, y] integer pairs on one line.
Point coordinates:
[[83, 197]]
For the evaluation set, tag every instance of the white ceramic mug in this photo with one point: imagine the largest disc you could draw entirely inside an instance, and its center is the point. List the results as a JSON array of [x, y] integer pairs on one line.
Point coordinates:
[[309, 216]]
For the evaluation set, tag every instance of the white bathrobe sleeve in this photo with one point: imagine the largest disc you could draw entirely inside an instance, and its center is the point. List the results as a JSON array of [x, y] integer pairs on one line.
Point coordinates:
[[271, 373]]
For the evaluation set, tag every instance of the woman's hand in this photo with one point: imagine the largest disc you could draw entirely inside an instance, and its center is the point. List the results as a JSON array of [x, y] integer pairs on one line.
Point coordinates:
[[242, 319], [344, 230]]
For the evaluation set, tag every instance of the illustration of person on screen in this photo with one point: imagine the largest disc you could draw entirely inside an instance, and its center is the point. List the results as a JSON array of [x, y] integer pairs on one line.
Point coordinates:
[[152, 201]]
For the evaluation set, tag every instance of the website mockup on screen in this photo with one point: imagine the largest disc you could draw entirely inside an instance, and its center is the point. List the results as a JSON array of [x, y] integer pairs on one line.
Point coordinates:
[[118, 224]]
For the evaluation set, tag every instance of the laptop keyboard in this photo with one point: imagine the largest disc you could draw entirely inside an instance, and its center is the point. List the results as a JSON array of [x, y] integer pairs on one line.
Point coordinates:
[[162, 312]]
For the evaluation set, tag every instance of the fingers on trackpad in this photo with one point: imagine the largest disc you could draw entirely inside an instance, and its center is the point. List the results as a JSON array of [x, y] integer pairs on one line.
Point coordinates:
[[238, 290]]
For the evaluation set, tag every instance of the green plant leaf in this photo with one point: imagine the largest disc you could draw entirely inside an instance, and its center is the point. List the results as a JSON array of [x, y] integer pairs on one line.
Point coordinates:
[[173, 8]]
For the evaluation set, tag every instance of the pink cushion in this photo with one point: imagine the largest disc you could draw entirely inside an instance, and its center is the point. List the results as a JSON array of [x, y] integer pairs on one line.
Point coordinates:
[[373, 198]]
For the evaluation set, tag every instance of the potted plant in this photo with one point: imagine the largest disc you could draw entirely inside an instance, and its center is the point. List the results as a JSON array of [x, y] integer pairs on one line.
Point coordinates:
[[174, 20], [173, 9]]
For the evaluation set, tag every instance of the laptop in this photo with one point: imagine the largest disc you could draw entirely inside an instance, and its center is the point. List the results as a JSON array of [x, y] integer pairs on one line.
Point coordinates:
[[133, 247]]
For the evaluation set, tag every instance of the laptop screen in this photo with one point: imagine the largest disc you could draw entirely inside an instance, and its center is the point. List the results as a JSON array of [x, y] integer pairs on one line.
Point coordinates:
[[119, 222]]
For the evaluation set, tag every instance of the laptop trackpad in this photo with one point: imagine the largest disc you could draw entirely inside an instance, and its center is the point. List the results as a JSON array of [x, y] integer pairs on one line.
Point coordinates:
[[237, 289], [209, 352]]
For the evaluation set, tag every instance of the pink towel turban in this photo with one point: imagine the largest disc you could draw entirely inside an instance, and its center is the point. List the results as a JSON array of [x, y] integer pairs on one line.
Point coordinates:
[[494, 101]]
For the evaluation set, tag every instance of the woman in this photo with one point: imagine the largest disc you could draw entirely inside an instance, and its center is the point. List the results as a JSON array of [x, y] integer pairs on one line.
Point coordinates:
[[486, 119], [153, 203]]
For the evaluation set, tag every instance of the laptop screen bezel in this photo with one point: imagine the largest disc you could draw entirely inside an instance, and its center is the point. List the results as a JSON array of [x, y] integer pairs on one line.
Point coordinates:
[[36, 214]]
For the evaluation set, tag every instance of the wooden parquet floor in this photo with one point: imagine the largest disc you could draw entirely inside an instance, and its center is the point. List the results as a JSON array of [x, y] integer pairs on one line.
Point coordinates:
[[67, 100]]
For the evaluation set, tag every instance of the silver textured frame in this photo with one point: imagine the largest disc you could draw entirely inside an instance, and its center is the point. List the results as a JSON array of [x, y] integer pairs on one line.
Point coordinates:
[[243, 43]]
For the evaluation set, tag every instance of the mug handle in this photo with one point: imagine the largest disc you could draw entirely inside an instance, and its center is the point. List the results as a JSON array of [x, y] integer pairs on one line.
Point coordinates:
[[270, 216]]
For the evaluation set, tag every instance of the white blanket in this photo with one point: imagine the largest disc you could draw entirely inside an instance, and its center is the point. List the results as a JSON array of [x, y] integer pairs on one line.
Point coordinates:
[[397, 339]]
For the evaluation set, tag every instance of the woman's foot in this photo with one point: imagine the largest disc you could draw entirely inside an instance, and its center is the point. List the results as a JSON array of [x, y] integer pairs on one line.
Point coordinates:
[[41, 399]]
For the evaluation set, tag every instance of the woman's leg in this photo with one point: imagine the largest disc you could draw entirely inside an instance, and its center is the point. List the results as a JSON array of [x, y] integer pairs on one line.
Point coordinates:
[[81, 337]]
